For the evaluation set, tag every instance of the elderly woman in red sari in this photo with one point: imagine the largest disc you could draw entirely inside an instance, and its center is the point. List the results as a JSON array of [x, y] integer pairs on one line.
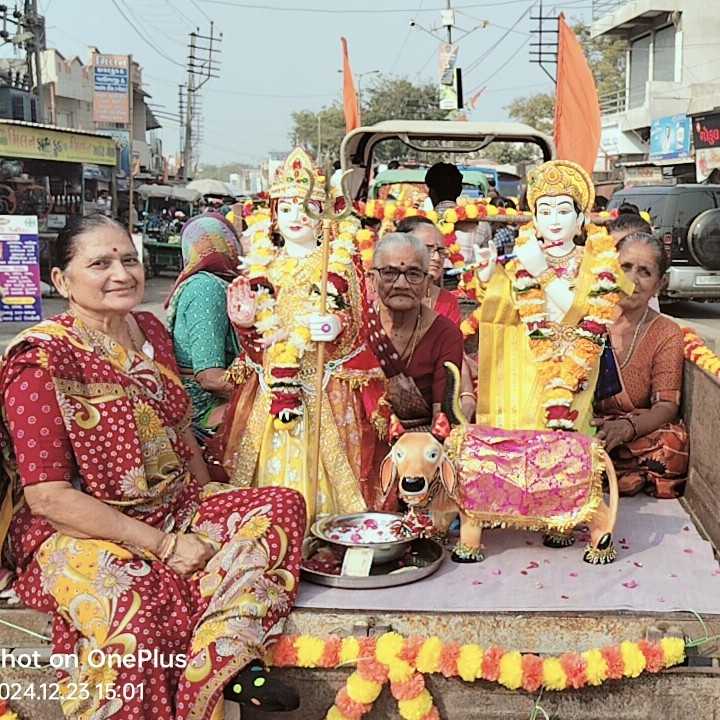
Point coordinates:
[[411, 340], [646, 439], [163, 586]]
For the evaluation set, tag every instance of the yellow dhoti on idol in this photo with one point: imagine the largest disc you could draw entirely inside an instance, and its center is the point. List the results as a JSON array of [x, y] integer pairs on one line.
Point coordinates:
[[538, 369]]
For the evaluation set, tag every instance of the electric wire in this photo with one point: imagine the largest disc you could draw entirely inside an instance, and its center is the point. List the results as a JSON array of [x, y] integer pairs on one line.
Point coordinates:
[[475, 63], [346, 11], [405, 41], [142, 37]]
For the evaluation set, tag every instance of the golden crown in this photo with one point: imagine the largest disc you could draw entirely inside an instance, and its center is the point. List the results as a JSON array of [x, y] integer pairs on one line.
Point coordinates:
[[561, 177], [293, 181]]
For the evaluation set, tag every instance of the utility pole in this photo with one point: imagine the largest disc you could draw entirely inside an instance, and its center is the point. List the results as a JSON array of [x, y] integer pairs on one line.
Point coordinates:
[[202, 65], [449, 21]]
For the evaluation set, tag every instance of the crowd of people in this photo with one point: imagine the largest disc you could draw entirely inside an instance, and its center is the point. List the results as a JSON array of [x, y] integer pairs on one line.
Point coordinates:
[[160, 480]]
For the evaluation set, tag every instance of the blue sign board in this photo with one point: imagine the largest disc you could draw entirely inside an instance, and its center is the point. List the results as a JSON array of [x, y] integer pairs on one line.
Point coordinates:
[[670, 138], [111, 79]]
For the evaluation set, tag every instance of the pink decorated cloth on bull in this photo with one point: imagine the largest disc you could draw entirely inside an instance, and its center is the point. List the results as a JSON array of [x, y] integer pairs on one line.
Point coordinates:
[[541, 480]]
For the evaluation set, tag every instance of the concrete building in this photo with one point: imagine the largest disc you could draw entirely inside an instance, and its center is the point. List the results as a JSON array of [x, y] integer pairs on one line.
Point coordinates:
[[68, 100], [671, 78]]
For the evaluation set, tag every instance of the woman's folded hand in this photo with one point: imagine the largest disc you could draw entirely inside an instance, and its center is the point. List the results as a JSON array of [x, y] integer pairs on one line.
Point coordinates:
[[191, 554]]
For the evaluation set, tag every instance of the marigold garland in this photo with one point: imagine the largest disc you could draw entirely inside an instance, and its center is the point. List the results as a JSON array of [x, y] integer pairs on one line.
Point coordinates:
[[561, 377], [403, 662], [265, 269], [467, 209], [5, 712], [697, 352]]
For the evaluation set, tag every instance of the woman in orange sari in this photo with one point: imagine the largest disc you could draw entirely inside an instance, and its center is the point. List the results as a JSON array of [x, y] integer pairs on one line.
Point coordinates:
[[646, 439]]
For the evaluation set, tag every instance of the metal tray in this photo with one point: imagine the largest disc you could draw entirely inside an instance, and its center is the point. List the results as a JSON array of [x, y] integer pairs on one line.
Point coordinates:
[[428, 555], [383, 552]]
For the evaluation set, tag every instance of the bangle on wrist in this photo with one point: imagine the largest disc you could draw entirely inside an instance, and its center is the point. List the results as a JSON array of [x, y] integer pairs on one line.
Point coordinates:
[[467, 394], [167, 547], [629, 420]]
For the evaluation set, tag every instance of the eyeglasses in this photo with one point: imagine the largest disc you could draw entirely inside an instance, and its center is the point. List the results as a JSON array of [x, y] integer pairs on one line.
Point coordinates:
[[437, 250], [391, 275]]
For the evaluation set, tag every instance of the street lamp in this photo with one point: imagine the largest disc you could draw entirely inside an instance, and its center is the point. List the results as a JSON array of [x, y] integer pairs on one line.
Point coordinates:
[[359, 77]]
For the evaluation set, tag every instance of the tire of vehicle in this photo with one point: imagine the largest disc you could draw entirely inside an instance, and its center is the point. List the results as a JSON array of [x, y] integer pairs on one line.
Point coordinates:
[[704, 239]]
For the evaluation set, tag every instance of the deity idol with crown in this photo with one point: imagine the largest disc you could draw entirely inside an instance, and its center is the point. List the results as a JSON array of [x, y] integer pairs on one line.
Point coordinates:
[[275, 309], [544, 311]]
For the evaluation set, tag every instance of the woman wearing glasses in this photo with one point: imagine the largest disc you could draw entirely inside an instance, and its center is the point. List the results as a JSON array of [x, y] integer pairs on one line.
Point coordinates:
[[411, 340], [437, 298]]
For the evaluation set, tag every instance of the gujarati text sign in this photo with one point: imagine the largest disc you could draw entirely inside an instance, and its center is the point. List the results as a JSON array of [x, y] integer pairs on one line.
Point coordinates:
[[20, 298], [25, 141], [111, 88]]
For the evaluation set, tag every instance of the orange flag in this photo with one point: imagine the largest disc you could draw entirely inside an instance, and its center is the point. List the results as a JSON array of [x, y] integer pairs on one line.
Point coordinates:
[[350, 98], [577, 111]]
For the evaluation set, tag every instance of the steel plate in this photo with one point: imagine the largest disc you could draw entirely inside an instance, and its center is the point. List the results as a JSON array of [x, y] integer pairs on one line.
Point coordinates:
[[427, 554]]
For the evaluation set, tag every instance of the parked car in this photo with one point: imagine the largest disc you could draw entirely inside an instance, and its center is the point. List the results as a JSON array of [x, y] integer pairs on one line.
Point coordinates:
[[687, 218]]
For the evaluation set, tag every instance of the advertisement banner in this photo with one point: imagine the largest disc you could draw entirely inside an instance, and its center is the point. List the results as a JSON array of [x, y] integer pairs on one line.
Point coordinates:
[[24, 141], [111, 88], [706, 131], [447, 57], [122, 138], [670, 138], [20, 297]]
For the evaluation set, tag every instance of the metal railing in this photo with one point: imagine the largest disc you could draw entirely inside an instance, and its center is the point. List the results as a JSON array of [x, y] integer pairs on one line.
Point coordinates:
[[612, 103], [603, 7]]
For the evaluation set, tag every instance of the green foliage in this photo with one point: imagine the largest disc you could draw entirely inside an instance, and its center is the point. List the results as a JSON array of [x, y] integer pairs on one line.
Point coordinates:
[[385, 99]]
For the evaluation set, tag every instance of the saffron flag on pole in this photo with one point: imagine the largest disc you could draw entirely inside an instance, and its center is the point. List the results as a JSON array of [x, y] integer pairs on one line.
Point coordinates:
[[577, 111], [350, 98]]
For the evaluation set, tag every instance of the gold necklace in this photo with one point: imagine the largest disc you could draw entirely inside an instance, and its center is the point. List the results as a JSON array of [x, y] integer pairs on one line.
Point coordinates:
[[562, 260], [634, 339]]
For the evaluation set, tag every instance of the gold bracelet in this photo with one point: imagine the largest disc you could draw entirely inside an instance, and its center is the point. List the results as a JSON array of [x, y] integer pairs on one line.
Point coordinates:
[[467, 394]]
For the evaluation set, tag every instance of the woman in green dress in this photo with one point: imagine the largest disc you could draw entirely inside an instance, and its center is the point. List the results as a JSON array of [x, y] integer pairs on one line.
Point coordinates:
[[204, 341]]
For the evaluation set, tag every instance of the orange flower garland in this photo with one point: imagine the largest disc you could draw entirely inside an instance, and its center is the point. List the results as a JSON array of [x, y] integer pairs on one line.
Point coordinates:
[[696, 351], [404, 662], [466, 209]]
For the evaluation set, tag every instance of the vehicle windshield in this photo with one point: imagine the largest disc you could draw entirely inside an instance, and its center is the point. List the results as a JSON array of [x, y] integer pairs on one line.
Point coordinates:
[[651, 203]]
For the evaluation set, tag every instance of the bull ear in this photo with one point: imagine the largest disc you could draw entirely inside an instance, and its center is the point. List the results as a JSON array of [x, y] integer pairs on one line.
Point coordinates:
[[396, 429], [448, 476], [388, 474]]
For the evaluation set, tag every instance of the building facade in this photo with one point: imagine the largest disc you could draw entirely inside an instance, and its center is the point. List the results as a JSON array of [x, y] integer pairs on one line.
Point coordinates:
[[672, 83]]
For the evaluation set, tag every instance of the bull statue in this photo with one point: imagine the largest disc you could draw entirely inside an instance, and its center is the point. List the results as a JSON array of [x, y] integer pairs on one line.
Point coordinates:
[[549, 481]]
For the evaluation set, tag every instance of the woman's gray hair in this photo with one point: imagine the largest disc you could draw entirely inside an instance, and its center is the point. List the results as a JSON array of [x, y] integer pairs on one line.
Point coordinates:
[[396, 240]]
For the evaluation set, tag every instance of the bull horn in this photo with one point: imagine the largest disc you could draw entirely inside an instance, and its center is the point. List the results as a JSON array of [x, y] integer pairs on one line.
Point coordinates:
[[451, 406]]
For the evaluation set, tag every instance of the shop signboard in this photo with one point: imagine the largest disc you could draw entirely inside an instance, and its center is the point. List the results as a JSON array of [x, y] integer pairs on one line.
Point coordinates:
[[20, 296], [706, 135], [122, 138], [26, 141], [670, 138], [111, 99]]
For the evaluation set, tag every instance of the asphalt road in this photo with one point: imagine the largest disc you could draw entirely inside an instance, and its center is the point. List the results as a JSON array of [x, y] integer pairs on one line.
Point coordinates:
[[704, 317]]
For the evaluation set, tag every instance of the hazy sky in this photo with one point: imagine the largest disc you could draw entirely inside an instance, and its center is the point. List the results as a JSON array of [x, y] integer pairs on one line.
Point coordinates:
[[276, 61]]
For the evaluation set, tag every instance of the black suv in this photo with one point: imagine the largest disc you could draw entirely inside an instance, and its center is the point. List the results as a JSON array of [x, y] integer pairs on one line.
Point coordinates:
[[687, 218]]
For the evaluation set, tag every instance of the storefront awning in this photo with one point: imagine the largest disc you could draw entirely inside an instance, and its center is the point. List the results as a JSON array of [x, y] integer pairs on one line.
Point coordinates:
[[43, 142]]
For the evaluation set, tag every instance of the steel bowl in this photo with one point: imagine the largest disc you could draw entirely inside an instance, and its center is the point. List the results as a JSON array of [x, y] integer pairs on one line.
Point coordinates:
[[337, 530]]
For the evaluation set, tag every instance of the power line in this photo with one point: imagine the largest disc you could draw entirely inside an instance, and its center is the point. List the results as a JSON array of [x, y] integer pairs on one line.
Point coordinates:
[[207, 17], [405, 41], [180, 12], [487, 52], [152, 26], [142, 37], [514, 53], [363, 11]]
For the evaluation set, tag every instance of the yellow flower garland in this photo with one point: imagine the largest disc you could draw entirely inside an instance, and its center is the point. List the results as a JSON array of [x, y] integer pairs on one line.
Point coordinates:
[[404, 662], [264, 265]]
